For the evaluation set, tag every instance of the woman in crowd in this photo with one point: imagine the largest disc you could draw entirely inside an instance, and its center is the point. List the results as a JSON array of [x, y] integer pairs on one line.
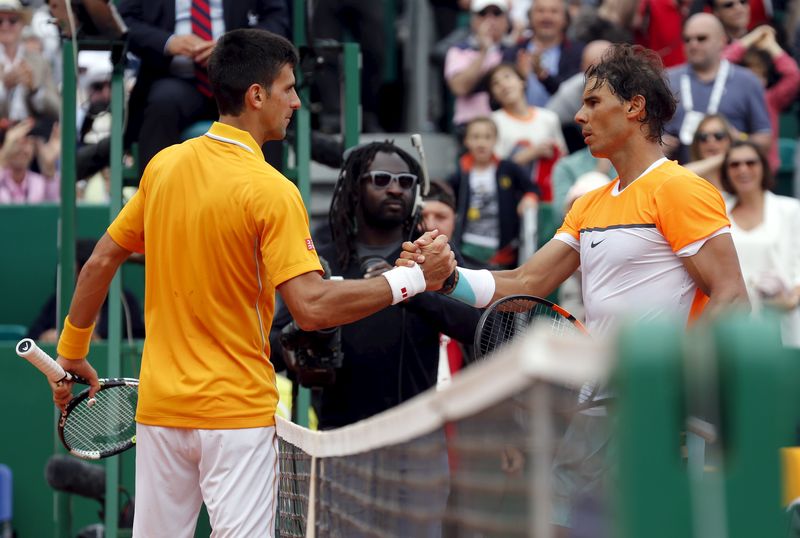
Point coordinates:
[[711, 140], [764, 229]]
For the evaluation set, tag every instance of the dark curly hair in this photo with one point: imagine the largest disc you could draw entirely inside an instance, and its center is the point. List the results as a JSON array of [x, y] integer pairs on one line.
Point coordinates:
[[767, 178], [347, 197], [631, 70]]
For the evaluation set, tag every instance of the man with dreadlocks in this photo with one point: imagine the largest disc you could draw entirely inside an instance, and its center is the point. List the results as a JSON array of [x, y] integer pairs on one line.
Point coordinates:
[[393, 354]]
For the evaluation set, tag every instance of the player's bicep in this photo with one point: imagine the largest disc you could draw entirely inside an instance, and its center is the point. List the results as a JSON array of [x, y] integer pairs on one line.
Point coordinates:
[[715, 267]]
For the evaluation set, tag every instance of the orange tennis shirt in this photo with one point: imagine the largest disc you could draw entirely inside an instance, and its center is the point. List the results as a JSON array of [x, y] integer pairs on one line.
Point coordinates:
[[220, 230], [631, 242]]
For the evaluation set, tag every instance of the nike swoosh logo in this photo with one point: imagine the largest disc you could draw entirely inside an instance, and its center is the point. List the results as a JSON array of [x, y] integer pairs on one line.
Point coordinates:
[[593, 244]]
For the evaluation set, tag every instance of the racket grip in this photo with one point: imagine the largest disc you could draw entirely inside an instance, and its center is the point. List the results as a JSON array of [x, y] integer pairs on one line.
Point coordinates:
[[27, 349]]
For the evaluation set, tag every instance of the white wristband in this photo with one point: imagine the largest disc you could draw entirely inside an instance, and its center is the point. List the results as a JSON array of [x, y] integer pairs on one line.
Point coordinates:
[[405, 282]]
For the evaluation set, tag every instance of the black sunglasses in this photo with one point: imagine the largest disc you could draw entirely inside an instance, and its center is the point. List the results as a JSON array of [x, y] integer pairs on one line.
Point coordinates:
[[491, 10], [698, 38], [750, 163], [381, 179], [718, 136], [731, 3]]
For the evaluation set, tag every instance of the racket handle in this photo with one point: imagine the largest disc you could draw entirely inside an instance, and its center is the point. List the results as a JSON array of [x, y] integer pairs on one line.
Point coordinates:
[[27, 349]]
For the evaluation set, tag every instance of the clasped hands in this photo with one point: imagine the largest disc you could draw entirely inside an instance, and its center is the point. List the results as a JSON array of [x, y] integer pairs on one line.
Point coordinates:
[[433, 254]]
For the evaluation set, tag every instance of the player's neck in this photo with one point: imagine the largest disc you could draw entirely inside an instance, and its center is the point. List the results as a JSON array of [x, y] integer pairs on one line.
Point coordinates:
[[631, 162], [247, 123]]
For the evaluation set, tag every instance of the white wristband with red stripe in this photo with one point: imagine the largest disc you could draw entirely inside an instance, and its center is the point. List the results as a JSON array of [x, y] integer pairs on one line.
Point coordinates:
[[405, 282]]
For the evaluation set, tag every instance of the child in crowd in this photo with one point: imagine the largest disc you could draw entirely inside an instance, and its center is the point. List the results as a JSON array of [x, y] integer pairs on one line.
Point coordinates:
[[491, 193], [528, 135]]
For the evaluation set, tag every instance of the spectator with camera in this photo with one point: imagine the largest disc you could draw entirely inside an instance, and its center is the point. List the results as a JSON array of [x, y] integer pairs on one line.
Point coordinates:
[[393, 354]]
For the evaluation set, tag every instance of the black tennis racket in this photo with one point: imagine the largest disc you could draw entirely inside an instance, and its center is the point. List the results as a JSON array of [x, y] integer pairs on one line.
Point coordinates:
[[511, 316], [90, 429]]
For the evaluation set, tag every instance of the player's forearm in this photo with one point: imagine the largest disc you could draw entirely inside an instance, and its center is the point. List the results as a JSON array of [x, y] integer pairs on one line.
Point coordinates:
[[334, 303]]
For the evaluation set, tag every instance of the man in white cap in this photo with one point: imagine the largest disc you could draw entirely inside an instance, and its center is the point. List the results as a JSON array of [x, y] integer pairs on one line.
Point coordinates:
[[468, 61]]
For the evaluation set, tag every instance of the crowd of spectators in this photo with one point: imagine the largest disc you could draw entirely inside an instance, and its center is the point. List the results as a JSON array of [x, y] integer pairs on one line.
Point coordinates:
[[512, 70]]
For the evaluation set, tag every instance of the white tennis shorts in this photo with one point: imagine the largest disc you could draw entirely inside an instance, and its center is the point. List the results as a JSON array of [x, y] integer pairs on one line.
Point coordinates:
[[233, 471]]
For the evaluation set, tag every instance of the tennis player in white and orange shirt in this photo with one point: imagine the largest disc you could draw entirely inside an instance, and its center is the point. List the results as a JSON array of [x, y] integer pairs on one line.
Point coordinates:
[[654, 241]]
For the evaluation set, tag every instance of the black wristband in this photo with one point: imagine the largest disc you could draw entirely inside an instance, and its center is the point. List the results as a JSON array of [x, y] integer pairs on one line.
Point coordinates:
[[449, 283]]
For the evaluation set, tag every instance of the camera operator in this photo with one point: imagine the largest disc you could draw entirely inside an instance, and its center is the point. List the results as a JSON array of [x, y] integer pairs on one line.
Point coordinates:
[[392, 355]]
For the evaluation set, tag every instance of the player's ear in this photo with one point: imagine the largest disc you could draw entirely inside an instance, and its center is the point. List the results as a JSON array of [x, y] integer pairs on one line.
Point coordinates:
[[254, 96], [636, 106]]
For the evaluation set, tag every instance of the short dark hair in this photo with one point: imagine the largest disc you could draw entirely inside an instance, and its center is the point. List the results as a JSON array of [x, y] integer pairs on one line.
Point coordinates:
[[480, 119], [245, 57], [631, 70], [347, 196], [767, 179], [441, 192]]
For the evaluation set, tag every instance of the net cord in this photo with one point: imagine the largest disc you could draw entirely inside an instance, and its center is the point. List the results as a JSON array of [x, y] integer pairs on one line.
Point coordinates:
[[538, 355]]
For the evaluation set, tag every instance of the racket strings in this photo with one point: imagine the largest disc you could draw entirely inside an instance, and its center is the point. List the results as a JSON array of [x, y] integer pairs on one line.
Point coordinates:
[[517, 316], [106, 426]]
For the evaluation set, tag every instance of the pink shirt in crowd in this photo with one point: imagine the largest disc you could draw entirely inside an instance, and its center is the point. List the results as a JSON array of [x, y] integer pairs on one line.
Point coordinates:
[[33, 189], [476, 104], [778, 97]]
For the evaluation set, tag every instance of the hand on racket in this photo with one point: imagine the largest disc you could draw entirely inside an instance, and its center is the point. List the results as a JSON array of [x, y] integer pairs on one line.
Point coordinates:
[[88, 431], [61, 380]]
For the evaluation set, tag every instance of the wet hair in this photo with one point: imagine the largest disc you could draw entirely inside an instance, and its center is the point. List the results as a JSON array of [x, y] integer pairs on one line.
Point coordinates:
[[767, 179], [347, 196], [631, 70], [245, 57], [694, 148]]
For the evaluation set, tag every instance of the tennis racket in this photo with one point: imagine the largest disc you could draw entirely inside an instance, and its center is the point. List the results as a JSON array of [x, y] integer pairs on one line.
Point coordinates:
[[516, 314], [90, 430]]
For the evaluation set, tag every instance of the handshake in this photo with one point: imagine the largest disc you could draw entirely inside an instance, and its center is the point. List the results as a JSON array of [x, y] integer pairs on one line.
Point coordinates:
[[434, 256]]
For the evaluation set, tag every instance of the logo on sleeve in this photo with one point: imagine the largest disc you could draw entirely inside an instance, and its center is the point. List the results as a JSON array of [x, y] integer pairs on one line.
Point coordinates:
[[309, 244]]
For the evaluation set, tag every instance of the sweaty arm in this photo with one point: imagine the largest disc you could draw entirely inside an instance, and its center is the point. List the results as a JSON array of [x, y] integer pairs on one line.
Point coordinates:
[[715, 270], [540, 275]]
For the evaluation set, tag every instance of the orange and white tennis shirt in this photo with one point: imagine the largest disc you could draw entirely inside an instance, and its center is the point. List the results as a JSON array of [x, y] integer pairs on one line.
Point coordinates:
[[631, 242]]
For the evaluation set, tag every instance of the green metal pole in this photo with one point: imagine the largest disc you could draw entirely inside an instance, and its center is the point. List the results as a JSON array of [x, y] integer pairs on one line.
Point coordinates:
[[653, 486], [352, 94], [115, 291], [302, 402], [66, 240], [758, 399]]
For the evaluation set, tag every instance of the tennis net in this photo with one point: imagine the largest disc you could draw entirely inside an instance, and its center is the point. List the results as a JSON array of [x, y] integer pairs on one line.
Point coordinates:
[[504, 450]]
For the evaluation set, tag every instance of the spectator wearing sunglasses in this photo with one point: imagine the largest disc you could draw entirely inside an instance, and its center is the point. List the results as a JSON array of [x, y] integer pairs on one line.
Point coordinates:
[[739, 16], [764, 230], [393, 354], [491, 193], [26, 82], [710, 84], [711, 140]]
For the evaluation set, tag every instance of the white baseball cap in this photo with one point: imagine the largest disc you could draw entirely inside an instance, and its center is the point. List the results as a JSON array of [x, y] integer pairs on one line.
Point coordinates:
[[476, 6]]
